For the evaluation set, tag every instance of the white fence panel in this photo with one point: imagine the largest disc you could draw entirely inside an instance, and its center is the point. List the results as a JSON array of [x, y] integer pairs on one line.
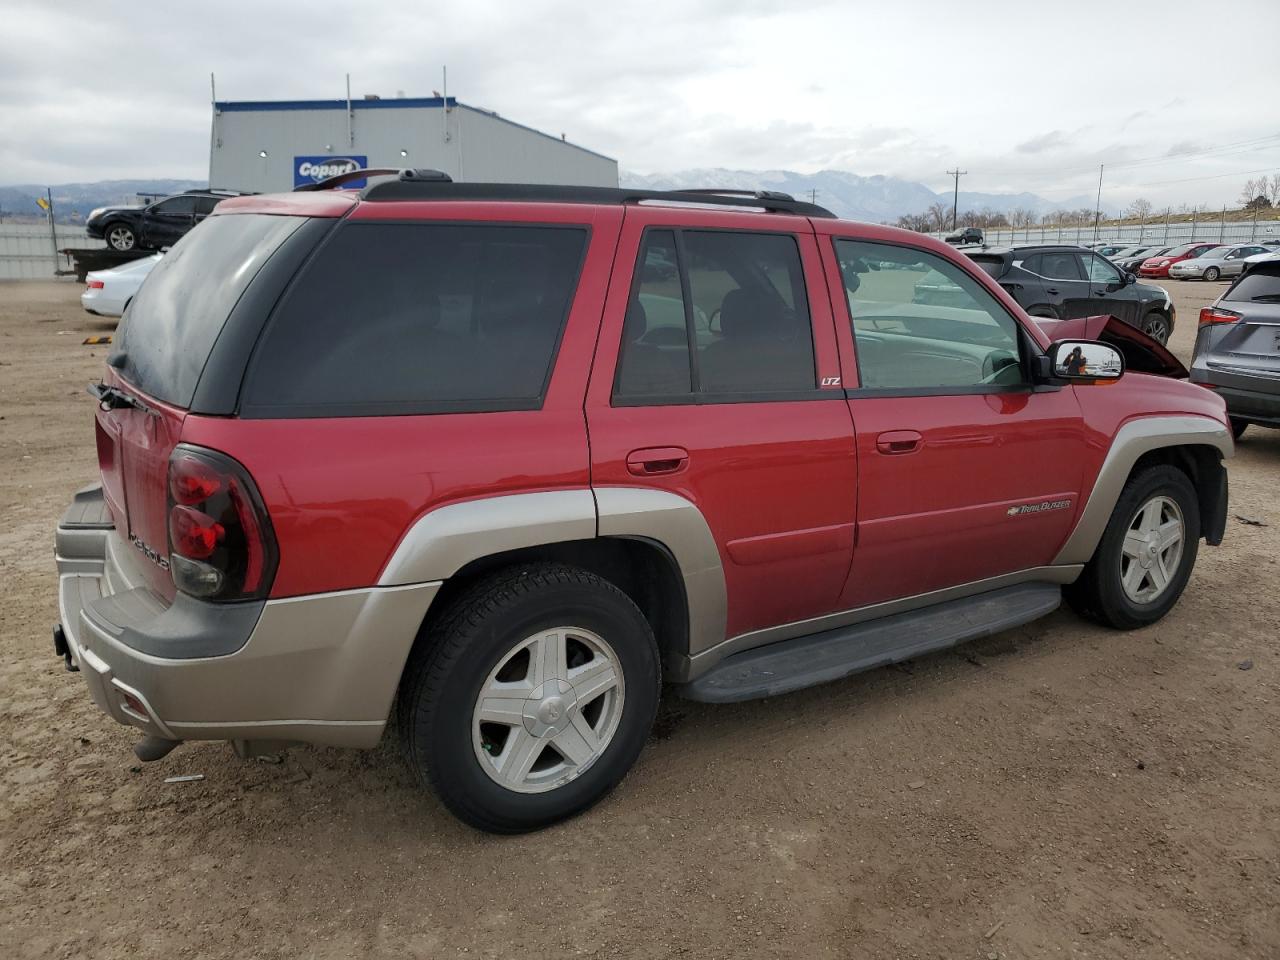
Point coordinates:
[[28, 252]]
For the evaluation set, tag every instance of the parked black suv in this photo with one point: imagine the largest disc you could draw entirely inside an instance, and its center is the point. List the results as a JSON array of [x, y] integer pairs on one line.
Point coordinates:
[[156, 225], [965, 235], [1063, 282]]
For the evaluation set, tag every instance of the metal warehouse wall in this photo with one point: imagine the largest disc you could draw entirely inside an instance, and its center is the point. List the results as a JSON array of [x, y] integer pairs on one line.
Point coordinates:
[[477, 146]]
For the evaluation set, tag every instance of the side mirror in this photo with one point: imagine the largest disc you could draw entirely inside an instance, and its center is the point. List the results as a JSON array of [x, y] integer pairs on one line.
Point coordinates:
[[1085, 361], [1130, 278]]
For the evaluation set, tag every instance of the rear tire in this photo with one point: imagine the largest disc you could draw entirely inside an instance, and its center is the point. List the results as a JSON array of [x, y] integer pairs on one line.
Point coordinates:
[[1125, 584], [531, 697], [1238, 427], [1156, 325]]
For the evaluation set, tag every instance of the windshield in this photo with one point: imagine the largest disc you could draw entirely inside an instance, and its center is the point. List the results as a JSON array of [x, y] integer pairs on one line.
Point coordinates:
[[173, 321]]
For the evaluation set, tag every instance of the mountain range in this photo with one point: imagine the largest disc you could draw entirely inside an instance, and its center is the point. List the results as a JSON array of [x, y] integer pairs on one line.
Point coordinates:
[[876, 198], [851, 196]]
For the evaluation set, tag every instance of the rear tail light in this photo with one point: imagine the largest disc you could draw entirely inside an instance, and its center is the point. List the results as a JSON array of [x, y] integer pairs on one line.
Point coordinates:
[[221, 545], [1210, 315], [96, 284]]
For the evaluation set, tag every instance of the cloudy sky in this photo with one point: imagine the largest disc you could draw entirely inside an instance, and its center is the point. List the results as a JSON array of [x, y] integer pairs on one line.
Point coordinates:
[[1179, 103]]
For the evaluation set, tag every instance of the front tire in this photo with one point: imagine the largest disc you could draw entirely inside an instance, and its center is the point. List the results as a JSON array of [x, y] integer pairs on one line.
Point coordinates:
[[1212, 273], [1156, 325], [121, 237], [1145, 557], [531, 697]]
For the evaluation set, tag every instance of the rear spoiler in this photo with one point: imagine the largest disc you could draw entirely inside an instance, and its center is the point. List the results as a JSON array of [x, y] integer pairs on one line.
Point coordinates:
[[332, 183]]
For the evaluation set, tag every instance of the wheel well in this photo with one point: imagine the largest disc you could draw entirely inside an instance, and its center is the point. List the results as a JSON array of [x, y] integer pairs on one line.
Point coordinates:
[[642, 569], [1203, 466]]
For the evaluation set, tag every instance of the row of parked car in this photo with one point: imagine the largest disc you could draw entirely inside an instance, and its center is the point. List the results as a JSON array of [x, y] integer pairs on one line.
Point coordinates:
[[1194, 260]]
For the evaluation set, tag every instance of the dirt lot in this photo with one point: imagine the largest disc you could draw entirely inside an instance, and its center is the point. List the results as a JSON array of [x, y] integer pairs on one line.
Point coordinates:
[[1059, 790]]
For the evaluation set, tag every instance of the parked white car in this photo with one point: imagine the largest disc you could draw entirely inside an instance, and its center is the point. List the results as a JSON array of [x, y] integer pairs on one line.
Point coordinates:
[[108, 292], [1251, 262]]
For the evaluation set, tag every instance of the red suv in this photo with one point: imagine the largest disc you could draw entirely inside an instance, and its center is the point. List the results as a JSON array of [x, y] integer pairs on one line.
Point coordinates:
[[489, 463], [1159, 266]]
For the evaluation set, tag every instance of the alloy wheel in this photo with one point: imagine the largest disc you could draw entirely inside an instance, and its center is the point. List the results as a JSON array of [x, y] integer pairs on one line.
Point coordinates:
[[1152, 550], [548, 710], [1156, 327], [120, 238]]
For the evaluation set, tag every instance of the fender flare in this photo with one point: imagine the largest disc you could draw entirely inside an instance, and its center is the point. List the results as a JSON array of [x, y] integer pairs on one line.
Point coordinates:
[[443, 541], [1132, 440]]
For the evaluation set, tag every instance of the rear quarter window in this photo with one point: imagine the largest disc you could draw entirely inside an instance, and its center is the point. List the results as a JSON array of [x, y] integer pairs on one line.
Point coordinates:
[[397, 318], [175, 318], [991, 266]]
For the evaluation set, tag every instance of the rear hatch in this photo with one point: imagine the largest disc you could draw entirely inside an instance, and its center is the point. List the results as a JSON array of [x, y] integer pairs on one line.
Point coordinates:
[[163, 343], [1250, 346]]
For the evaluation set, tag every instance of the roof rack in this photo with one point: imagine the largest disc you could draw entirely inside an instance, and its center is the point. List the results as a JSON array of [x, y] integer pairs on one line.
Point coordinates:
[[435, 185]]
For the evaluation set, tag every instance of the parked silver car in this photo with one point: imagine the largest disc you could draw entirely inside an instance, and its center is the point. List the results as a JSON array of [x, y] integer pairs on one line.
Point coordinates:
[[1215, 263]]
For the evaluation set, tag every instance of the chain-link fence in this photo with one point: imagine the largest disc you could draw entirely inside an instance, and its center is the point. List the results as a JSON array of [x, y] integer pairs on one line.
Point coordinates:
[[1156, 231]]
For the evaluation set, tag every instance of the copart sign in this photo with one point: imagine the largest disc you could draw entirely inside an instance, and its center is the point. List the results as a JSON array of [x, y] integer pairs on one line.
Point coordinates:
[[315, 169]]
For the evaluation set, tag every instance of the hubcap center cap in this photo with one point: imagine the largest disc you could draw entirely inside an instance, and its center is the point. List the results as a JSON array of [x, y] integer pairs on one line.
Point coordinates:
[[549, 708]]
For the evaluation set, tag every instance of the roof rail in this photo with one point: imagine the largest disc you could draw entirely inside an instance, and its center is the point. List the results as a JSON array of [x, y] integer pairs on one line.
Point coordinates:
[[417, 188]]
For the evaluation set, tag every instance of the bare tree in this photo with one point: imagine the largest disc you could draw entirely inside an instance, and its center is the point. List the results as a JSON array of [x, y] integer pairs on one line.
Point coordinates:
[[920, 222], [1140, 209], [1252, 190], [1022, 217], [940, 214], [1275, 188]]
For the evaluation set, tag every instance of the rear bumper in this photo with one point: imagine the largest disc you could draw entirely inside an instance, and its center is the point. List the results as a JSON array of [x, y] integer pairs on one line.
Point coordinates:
[[321, 668], [1256, 399]]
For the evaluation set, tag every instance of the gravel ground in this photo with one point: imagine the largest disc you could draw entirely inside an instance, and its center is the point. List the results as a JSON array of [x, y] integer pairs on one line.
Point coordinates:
[[1057, 790]]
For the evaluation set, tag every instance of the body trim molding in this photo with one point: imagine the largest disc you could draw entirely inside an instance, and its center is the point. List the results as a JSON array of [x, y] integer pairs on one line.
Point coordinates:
[[443, 541]]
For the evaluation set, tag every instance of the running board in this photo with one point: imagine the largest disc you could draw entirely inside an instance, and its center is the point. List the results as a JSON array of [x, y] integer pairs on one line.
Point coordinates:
[[821, 657]]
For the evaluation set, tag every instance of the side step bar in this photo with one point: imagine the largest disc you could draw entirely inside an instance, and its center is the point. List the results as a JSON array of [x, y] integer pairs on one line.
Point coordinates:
[[822, 657]]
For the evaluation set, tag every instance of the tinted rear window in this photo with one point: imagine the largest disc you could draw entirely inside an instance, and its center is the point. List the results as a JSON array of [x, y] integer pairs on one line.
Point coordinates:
[[395, 318], [176, 316], [1261, 282]]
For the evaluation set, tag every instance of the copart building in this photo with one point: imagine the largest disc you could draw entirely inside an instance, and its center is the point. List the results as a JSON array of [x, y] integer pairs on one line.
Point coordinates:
[[272, 146]]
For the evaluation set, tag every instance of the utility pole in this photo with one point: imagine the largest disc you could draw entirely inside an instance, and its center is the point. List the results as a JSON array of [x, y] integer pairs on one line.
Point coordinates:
[[813, 196], [955, 198], [1097, 207]]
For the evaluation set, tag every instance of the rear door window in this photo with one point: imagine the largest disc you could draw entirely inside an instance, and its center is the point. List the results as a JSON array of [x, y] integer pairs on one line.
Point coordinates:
[[174, 319], [1060, 266], [403, 318], [715, 316]]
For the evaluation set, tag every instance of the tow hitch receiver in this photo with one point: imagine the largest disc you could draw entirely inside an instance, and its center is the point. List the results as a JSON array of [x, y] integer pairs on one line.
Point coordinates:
[[61, 649]]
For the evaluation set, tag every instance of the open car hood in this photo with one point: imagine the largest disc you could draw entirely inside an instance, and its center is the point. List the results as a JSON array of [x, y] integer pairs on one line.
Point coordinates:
[[1142, 354]]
